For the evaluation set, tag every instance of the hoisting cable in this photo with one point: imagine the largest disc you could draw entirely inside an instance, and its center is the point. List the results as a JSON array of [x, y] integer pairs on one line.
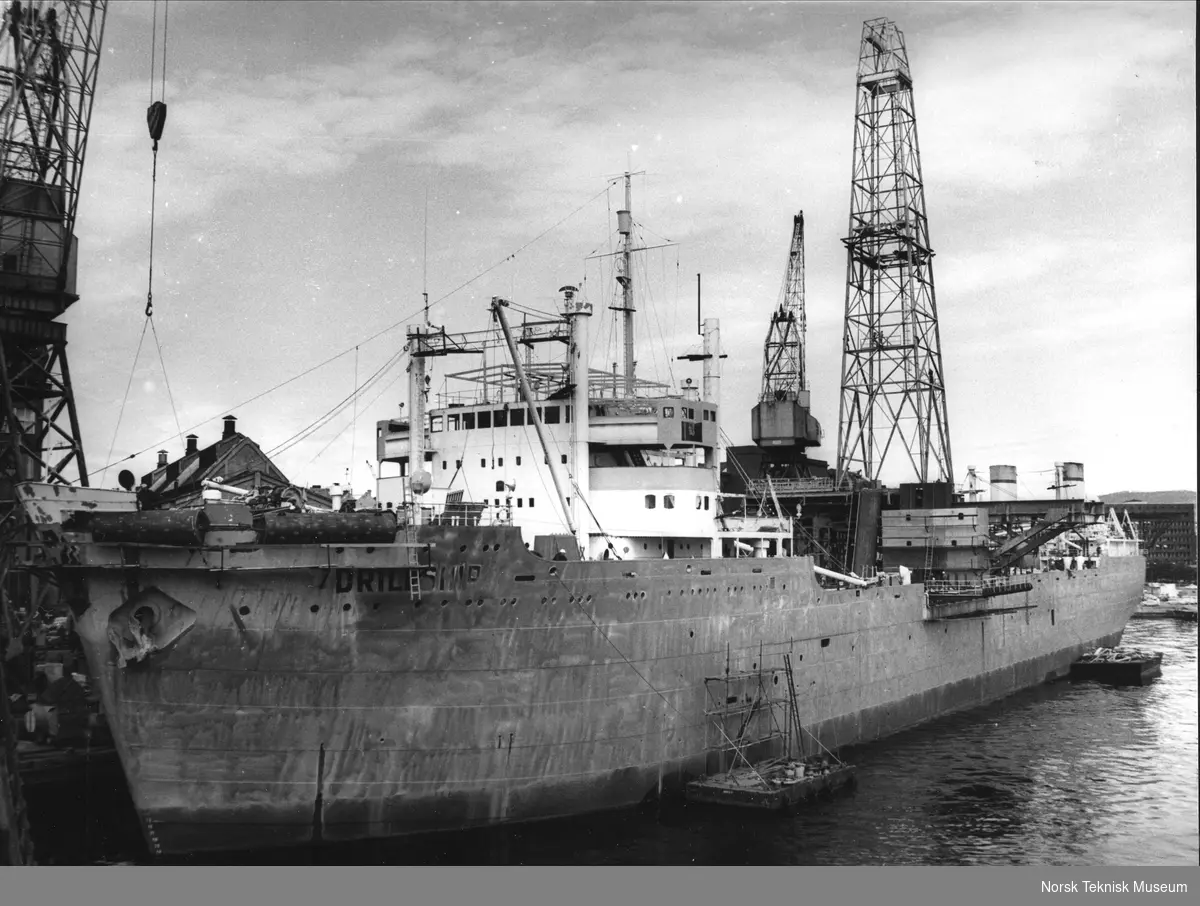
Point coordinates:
[[156, 119]]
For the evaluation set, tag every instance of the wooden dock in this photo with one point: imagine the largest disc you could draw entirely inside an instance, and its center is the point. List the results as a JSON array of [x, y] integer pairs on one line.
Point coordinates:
[[41, 764], [1165, 612]]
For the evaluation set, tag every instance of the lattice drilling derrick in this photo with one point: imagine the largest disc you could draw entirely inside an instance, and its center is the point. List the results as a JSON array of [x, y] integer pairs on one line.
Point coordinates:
[[49, 57], [893, 390]]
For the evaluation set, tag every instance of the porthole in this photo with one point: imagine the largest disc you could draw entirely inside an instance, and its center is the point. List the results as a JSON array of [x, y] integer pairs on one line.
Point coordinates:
[[314, 609], [467, 602], [444, 602], [691, 634], [346, 607], [243, 610], [462, 548]]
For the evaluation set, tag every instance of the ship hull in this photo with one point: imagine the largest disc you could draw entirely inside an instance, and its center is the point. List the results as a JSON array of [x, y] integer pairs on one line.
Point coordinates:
[[316, 698]]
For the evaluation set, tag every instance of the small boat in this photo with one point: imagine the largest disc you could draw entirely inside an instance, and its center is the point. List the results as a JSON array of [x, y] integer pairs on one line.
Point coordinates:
[[774, 784], [1119, 666]]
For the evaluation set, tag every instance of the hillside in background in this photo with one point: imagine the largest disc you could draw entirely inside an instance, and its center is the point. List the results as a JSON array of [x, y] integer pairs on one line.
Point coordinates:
[[1150, 497]]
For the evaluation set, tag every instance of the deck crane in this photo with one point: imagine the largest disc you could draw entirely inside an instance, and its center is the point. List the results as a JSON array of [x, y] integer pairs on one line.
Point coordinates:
[[782, 417]]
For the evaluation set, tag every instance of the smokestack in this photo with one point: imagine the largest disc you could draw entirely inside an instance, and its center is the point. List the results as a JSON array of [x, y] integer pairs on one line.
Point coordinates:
[[230, 429], [191, 444], [162, 458]]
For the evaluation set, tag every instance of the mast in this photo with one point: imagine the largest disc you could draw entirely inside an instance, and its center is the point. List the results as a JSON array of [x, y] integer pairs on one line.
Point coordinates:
[[578, 313], [419, 480], [625, 278]]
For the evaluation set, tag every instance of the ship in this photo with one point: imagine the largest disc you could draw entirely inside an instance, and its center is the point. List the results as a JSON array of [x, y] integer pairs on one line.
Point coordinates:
[[556, 609]]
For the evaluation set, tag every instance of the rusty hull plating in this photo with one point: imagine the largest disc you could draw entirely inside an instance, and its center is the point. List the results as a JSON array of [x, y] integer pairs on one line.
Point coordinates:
[[273, 694]]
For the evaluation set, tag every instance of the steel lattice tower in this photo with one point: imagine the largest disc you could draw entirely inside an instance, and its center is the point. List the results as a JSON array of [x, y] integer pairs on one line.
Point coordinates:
[[893, 388], [49, 57]]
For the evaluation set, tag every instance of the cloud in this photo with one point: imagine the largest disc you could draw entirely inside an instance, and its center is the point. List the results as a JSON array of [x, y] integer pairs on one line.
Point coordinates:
[[1057, 149]]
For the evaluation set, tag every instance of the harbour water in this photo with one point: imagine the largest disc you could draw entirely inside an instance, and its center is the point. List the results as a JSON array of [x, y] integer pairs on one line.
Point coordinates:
[[1064, 774]]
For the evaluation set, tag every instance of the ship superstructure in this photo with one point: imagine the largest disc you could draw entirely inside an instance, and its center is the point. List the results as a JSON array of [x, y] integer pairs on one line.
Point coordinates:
[[633, 466]]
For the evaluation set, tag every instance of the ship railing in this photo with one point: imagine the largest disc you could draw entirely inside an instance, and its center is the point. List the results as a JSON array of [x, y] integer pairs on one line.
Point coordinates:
[[969, 588], [791, 487]]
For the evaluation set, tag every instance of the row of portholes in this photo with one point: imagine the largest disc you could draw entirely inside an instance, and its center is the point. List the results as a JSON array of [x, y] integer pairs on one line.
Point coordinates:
[[504, 602], [462, 548], [313, 608], [683, 592]]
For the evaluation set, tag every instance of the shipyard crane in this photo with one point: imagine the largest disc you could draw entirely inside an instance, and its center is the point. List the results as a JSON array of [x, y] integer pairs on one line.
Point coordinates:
[[782, 418], [49, 59], [48, 68]]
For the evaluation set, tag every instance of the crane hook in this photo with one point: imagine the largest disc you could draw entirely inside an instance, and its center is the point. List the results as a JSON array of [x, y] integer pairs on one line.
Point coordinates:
[[156, 119]]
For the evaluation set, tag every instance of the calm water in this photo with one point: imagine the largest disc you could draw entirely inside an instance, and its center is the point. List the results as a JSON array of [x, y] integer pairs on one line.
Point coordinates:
[[1064, 774]]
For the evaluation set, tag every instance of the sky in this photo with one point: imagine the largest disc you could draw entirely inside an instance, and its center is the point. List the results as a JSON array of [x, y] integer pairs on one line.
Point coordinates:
[[325, 163]]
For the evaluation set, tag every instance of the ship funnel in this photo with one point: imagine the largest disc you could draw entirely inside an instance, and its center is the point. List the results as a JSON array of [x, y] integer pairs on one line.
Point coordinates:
[[1068, 480], [1002, 482]]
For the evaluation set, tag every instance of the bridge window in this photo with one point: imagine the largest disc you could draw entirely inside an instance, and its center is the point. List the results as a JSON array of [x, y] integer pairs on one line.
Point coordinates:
[[568, 411], [500, 485], [500, 418], [564, 459], [458, 464], [468, 421], [518, 503], [651, 503], [531, 503], [552, 415], [485, 419], [403, 466], [452, 422], [518, 460], [699, 501], [483, 463], [435, 423], [500, 462], [668, 411], [516, 418], [669, 501], [443, 465], [706, 503]]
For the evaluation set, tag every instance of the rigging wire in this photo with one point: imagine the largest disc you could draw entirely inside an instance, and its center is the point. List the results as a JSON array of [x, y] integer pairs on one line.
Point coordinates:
[[354, 417], [124, 399], [378, 333], [156, 119]]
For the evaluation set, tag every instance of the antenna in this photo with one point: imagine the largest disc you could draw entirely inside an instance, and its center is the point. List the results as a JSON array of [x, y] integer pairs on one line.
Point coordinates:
[[425, 258]]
